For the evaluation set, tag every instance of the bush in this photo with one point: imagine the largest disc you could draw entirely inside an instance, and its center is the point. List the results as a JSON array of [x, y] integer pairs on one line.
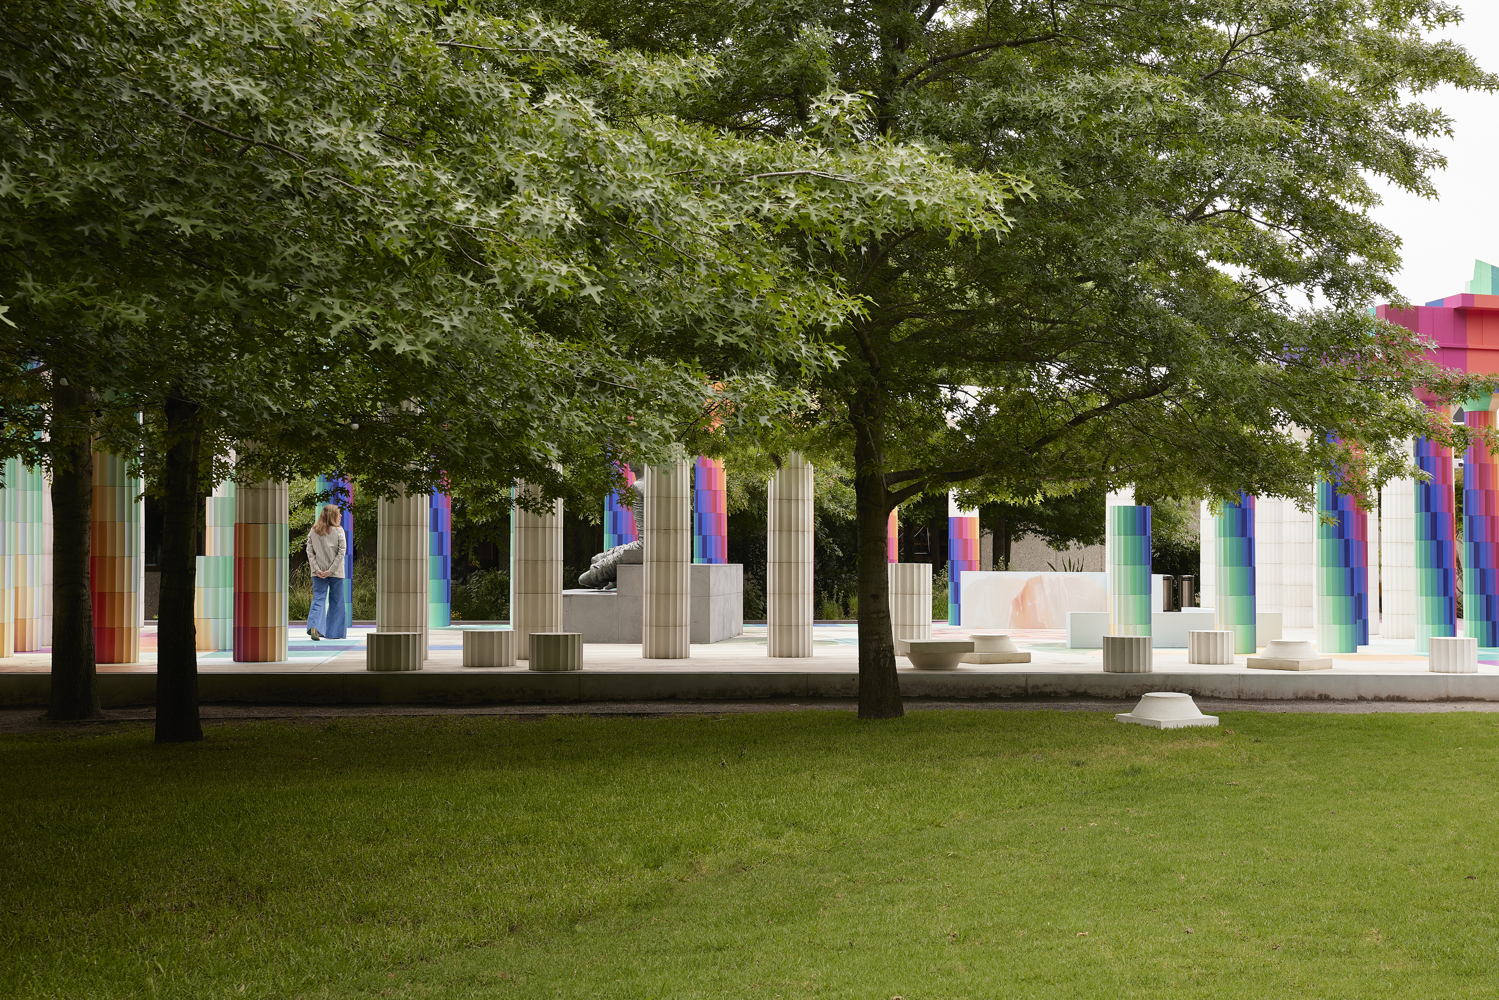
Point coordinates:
[[484, 595]]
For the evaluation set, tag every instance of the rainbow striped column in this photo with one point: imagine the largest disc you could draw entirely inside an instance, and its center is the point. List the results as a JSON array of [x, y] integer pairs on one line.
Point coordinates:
[[11, 470], [1128, 544], [1342, 595], [710, 513], [1480, 530], [1234, 597], [439, 560], [261, 537], [341, 491], [1436, 545], [962, 554], [892, 539], [213, 601], [619, 521], [30, 518], [115, 560]]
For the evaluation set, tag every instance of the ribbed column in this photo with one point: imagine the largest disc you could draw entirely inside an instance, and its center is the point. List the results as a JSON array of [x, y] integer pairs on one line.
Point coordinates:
[[962, 554], [1207, 556], [1435, 545], [30, 549], [666, 610], [619, 520], [261, 536], [1342, 566], [789, 559], [115, 560], [710, 513], [1268, 527], [910, 602], [10, 469], [1397, 549], [1298, 568], [892, 538], [535, 571], [1128, 544], [1480, 530], [1235, 602], [439, 560], [46, 571], [401, 566], [213, 600]]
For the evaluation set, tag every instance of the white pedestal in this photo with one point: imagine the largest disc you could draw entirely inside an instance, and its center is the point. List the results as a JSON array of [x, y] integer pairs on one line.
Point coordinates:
[[937, 654], [393, 652], [910, 603], [1167, 710], [555, 652], [1289, 654], [1210, 646], [488, 647], [995, 649], [1454, 655], [1127, 654]]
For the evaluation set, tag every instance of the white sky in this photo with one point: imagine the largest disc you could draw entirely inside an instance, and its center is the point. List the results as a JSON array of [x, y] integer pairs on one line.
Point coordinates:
[[1443, 237]]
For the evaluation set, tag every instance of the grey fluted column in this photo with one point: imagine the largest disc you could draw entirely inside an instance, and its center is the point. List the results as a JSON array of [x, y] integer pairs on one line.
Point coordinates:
[[666, 614], [788, 571], [535, 571], [401, 566]]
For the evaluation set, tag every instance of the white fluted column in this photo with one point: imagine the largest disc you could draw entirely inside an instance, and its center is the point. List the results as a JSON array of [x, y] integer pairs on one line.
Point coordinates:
[[788, 572], [401, 567], [666, 613], [535, 571], [1207, 557]]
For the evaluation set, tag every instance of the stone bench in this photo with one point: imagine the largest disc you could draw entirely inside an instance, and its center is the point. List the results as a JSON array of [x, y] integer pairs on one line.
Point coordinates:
[[488, 647], [1211, 646], [995, 649], [555, 652], [937, 654], [393, 652], [1453, 655], [1127, 654]]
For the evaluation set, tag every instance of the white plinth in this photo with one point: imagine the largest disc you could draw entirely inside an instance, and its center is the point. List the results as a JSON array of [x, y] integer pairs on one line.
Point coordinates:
[[1127, 654], [1167, 710], [1454, 655], [995, 649], [1289, 654], [1210, 646], [553, 652], [910, 603], [937, 654], [393, 652], [488, 647]]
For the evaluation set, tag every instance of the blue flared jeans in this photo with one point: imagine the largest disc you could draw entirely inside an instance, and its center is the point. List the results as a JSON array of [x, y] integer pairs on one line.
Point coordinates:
[[328, 614]]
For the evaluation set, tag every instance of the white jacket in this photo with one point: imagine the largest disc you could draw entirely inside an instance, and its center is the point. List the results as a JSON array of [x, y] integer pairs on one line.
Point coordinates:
[[325, 553]]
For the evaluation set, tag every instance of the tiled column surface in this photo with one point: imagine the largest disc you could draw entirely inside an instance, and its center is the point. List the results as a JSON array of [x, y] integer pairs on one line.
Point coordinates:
[[46, 573], [1235, 604], [1435, 545], [1342, 599], [260, 571], [1480, 531], [1298, 552], [910, 602], [789, 553], [892, 538], [343, 493], [115, 561], [962, 554], [619, 521], [1127, 543], [30, 551], [1376, 580], [710, 513], [213, 601], [439, 560], [535, 572], [10, 469], [1207, 556], [401, 566], [666, 609], [1397, 550]]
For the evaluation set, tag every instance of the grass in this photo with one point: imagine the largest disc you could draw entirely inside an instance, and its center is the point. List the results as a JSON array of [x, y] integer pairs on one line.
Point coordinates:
[[948, 855]]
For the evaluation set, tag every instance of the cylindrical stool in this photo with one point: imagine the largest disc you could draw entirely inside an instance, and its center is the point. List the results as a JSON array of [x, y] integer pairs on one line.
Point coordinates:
[[1210, 646], [552, 652], [1126, 654], [389, 652], [1454, 655], [489, 647]]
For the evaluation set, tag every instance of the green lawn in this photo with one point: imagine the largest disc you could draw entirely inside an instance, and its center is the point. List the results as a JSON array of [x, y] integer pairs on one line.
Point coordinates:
[[948, 855]]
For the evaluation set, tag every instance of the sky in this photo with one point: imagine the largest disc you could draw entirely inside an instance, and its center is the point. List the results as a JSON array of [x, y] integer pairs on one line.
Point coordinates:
[[1443, 237]]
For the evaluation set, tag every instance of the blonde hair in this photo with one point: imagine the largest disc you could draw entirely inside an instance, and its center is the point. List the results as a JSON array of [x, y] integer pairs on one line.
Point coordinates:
[[328, 518]]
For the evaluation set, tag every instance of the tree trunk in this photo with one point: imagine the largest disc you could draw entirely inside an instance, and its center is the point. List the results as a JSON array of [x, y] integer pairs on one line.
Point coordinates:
[[879, 685], [75, 693], [177, 633]]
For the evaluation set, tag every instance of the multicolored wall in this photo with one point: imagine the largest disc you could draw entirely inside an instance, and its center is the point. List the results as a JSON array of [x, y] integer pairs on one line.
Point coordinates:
[[1128, 546], [260, 571], [439, 560], [619, 521], [892, 538], [962, 554], [115, 560], [27, 487], [1435, 545], [1342, 566], [1233, 569], [710, 513], [1480, 529], [213, 603]]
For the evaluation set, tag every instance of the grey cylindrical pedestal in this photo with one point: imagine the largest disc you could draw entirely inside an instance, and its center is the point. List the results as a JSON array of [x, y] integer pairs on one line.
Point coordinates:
[[555, 652], [488, 647], [788, 570], [1454, 655], [666, 611], [392, 652], [1210, 646], [1126, 654]]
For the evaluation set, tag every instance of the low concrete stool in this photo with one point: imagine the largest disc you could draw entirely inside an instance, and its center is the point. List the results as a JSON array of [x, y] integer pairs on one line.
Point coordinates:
[[995, 649], [1127, 654], [1454, 655], [1289, 654], [488, 647], [1167, 710], [392, 652], [1210, 646], [937, 654], [553, 652]]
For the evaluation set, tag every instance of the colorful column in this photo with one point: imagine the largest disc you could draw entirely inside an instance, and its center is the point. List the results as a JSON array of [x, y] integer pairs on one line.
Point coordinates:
[[710, 513], [1128, 544], [401, 565], [10, 469], [789, 551], [1234, 597], [439, 560], [114, 560], [1480, 530], [535, 571], [261, 536], [892, 538], [1435, 545], [666, 610], [30, 550], [619, 520], [213, 601], [1342, 567], [962, 554]]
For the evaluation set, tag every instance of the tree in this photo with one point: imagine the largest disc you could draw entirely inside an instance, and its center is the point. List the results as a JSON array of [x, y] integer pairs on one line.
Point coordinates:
[[1195, 171]]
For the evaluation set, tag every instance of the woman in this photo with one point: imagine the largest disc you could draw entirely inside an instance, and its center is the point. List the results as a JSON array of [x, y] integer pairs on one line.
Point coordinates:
[[326, 545]]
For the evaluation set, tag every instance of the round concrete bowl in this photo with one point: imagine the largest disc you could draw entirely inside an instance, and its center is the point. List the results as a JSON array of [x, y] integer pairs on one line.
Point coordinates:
[[1290, 649], [993, 644], [937, 654]]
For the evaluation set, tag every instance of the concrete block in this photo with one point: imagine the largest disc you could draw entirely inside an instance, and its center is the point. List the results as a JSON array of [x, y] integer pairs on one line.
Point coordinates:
[[387, 652], [1210, 646], [1454, 655], [488, 647], [556, 651], [1127, 654]]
